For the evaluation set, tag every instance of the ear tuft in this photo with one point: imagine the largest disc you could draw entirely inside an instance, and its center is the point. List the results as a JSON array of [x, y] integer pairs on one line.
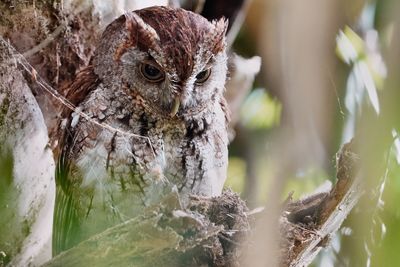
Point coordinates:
[[217, 37], [221, 25]]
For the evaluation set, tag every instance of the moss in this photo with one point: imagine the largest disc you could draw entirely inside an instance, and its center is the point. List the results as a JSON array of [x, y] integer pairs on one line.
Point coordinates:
[[4, 106], [6, 163], [4, 258], [26, 227], [10, 238]]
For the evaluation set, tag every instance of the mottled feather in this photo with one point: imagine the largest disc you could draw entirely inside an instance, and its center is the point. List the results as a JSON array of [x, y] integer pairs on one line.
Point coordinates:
[[128, 148]]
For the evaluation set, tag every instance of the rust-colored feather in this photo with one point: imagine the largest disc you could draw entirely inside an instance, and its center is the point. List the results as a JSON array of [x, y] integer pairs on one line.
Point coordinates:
[[75, 92], [86, 81], [181, 32]]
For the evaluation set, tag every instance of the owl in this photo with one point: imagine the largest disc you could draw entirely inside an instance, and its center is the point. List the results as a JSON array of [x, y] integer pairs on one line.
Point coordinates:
[[150, 114]]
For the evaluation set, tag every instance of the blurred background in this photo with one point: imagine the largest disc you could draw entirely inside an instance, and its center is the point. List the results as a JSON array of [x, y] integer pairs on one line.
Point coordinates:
[[329, 73]]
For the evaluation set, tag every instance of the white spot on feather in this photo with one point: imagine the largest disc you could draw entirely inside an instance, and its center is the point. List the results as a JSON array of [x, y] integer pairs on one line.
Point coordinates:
[[75, 117]]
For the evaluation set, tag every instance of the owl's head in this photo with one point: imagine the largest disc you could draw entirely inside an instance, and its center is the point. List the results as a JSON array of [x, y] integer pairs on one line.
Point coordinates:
[[173, 58]]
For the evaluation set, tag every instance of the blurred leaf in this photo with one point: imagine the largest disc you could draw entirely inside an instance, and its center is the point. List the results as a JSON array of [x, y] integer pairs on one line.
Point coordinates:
[[365, 77], [350, 46], [368, 68], [378, 75], [396, 145], [260, 111], [236, 174], [385, 253]]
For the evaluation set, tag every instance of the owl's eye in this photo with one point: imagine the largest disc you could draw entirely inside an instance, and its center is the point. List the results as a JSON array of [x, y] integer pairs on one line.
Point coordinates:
[[203, 76], [151, 73]]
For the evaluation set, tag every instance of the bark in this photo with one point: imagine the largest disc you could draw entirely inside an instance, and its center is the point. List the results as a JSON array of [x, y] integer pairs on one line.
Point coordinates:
[[42, 45], [26, 170], [308, 224]]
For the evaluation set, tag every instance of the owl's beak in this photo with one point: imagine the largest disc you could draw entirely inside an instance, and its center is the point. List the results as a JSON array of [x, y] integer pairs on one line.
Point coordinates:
[[175, 107]]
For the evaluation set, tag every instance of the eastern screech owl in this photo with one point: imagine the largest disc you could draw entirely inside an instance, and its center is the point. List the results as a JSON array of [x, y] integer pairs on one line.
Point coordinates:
[[153, 96]]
